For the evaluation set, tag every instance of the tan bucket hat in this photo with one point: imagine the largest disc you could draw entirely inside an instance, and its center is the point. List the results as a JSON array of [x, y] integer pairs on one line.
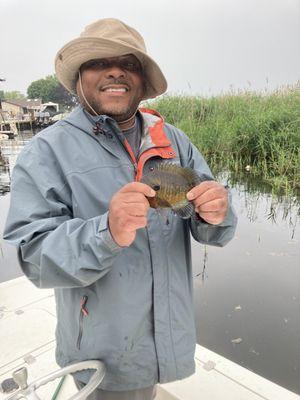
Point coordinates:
[[107, 38]]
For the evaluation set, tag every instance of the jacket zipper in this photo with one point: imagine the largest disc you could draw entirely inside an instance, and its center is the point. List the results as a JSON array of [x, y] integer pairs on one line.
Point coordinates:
[[133, 162], [83, 313]]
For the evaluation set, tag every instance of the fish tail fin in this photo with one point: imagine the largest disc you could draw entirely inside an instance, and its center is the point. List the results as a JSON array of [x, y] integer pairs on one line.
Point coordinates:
[[185, 211]]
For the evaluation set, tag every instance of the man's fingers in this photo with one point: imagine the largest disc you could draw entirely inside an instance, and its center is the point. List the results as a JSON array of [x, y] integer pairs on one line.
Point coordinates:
[[200, 189], [210, 199], [206, 193], [218, 198], [216, 205], [128, 210], [213, 218], [138, 187], [133, 197]]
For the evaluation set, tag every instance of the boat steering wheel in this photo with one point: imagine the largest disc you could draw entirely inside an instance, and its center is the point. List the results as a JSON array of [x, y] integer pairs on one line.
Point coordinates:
[[29, 391]]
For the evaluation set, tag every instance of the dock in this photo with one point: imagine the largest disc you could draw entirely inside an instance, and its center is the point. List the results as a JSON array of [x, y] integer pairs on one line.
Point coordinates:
[[17, 125], [27, 325]]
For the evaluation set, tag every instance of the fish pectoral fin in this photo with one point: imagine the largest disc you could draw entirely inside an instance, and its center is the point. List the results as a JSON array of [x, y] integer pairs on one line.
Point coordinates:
[[185, 211]]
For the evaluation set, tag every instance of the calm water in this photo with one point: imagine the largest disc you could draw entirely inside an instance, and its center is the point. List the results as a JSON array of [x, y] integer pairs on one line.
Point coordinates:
[[247, 294]]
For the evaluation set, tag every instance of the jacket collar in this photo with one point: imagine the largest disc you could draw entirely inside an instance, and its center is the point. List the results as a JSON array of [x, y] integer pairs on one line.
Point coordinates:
[[153, 134], [79, 118], [155, 142]]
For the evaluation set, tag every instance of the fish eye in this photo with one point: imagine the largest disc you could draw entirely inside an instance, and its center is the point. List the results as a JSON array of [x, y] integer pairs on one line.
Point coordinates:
[[156, 187]]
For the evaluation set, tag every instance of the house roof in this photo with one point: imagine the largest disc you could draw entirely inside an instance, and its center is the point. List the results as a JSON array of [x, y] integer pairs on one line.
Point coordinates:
[[28, 103], [10, 102]]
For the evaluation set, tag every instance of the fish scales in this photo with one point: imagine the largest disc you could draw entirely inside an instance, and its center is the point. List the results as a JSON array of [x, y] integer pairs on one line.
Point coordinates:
[[171, 183]]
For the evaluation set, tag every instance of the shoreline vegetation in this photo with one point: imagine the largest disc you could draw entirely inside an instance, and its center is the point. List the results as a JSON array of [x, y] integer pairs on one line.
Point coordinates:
[[253, 137]]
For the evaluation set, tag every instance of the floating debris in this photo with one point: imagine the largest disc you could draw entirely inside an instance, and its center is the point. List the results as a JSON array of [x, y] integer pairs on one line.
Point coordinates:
[[237, 340], [294, 241], [281, 254], [252, 350], [238, 307]]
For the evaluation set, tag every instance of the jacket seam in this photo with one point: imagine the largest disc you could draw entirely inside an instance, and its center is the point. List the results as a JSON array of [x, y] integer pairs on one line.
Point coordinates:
[[95, 168], [169, 312], [170, 319]]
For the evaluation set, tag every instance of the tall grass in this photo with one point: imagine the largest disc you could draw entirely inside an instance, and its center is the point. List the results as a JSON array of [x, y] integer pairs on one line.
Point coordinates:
[[246, 130]]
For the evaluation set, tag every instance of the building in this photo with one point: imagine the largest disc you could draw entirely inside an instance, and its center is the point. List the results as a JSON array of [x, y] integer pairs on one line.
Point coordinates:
[[22, 108], [11, 109]]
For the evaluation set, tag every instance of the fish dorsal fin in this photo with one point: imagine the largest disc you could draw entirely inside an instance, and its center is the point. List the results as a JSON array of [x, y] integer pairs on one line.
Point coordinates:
[[184, 212], [193, 178]]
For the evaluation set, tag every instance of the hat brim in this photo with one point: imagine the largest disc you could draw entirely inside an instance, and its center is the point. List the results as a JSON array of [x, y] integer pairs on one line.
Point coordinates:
[[70, 57]]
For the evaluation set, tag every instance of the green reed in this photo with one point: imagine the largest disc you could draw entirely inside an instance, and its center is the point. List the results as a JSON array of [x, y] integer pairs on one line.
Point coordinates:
[[244, 133]]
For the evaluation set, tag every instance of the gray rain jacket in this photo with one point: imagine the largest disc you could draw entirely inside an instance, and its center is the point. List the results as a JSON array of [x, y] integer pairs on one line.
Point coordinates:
[[130, 307]]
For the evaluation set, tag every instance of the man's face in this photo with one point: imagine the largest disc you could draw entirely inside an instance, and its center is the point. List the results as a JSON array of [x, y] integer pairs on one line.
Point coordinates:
[[112, 86]]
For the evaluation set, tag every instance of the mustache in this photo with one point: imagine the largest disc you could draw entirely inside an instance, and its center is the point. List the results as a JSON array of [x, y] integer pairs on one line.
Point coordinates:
[[114, 82]]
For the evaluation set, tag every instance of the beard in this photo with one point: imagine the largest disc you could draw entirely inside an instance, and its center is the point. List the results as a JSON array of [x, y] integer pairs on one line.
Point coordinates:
[[118, 111], [98, 102]]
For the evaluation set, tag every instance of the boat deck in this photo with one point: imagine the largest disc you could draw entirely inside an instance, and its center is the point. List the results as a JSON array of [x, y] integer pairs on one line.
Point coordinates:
[[27, 325]]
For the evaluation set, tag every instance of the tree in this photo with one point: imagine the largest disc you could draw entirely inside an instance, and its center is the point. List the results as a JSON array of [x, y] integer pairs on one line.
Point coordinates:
[[49, 89], [12, 95], [43, 88], [63, 97]]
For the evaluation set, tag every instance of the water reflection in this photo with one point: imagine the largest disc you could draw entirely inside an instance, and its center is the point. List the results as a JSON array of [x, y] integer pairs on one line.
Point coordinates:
[[9, 150], [203, 274], [272, 208], [253, 192], [261, 217], [254, 184], [4, 176]]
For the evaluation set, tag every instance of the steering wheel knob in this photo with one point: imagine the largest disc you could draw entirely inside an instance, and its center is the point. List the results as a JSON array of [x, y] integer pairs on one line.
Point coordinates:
[[20, 377]]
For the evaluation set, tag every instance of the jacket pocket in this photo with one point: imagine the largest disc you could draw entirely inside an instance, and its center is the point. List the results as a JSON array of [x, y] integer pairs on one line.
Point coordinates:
[[82, 313]]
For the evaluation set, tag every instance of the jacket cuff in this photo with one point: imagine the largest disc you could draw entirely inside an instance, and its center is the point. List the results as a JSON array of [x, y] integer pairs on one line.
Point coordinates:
[[105, 236]]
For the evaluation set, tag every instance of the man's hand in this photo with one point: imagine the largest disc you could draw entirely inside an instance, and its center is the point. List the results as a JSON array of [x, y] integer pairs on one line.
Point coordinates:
[[210, 200], [128, 212]]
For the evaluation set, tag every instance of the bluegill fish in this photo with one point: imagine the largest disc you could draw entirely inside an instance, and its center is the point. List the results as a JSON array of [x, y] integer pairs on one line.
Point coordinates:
[[171, 183]]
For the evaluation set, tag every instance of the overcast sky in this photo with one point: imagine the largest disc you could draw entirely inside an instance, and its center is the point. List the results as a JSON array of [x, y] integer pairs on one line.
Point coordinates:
[[203, 46]]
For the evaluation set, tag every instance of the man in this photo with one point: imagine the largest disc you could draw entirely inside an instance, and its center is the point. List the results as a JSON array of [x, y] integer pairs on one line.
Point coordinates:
[[82, 223]]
